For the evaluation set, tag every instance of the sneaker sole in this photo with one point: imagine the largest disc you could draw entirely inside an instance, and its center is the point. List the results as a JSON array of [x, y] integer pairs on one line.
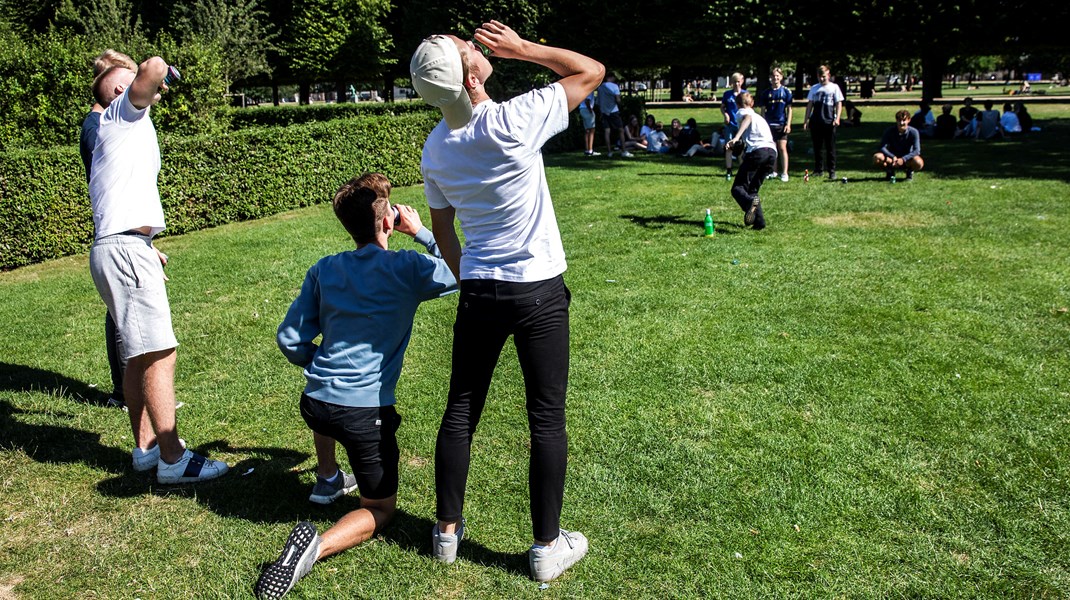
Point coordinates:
[[748, 219], [296, 560]]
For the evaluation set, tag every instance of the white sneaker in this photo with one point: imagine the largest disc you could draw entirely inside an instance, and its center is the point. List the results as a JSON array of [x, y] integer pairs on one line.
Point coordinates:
[[610, 155], [549, 563], [784, 177], [146, 460], [444, 546], [626, 154], [190, 468], [771, 176]]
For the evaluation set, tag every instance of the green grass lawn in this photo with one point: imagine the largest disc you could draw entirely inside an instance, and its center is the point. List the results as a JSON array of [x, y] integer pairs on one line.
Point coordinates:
[[868, 398]]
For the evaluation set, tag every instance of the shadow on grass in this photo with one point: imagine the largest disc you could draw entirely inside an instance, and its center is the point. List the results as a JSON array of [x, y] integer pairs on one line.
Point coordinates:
[[413, 534], [56, 443], [1036, 155], [20, 378], [688, 226]]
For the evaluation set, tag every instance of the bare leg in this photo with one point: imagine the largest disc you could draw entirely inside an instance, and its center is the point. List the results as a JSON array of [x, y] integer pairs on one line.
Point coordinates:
[[782, 155], [327, 464], [357, 526], [609, 145], [149, 386]]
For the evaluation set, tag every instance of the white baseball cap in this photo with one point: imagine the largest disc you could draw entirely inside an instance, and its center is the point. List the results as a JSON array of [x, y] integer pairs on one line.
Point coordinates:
[[438, 76]]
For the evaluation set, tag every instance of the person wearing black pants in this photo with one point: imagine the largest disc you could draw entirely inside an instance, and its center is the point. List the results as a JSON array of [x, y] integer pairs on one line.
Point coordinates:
[[758, 161], [482, 167], [824, 104], [536, 315]]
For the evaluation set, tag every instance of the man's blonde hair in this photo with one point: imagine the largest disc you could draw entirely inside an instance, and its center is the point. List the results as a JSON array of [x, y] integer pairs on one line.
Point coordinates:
[[112, 58]]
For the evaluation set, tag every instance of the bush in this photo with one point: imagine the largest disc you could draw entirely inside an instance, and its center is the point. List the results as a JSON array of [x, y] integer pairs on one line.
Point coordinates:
[[44, 89], [206, 180], [241, 118]]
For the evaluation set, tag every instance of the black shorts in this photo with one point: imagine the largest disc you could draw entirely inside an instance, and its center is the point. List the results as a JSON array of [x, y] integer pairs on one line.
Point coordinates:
[[777, 131], [369, 436], [612, 121]]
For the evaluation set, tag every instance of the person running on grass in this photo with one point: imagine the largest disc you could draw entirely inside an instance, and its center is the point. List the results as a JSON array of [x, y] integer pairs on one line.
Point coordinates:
[[758, 161], [362, 302], [482, 166]]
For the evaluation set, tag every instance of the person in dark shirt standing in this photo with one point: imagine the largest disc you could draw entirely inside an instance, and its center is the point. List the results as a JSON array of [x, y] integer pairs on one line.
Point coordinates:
[[900, 148]]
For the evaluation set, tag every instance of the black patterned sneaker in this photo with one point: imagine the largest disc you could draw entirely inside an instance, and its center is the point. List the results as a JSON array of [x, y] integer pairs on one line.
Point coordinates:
[[325, 492], [549, 563], [296, 560], [910, 175], [748, 218], [189, 469]]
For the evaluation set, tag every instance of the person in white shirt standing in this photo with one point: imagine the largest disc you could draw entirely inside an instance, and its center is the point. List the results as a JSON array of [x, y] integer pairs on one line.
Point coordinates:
[[759, 160], [824, 104], [127, 269], [482, 166]]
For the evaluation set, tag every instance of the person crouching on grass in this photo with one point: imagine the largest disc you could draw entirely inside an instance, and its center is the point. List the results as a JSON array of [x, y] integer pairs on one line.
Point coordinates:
[[758, 160], [900, 148], [362, 302]]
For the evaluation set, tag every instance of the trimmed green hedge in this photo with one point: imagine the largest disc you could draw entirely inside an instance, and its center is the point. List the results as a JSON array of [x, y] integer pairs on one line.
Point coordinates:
[[208, 180], [240, 118]]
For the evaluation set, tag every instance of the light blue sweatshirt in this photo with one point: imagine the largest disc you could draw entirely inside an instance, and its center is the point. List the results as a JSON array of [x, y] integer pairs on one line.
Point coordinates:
[[363, 302]]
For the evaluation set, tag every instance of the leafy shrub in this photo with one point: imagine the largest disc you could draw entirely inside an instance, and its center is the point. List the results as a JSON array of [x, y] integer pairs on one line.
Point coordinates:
[[44, 89], [46, 81], [241, 118], [206, 180]]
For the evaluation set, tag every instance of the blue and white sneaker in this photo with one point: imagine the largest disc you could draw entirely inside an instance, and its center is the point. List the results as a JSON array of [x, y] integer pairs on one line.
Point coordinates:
[[325, 492], [190, 468], [298, 556]]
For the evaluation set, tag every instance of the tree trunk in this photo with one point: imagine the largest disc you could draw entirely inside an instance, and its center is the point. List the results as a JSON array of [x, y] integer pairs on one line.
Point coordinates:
[[388, 88], [933, 66], [305, 91], [340, 90], [676, 85], [800, 79], [275, 93]]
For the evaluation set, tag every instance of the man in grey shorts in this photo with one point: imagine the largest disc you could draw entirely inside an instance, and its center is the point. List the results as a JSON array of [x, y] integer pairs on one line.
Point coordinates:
[[128, 271]]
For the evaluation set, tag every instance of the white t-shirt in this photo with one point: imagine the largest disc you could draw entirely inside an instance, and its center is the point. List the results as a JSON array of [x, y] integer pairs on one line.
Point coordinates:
[[655, 140], [1010, 123], [491, 172], [126, 163], [757, 134]]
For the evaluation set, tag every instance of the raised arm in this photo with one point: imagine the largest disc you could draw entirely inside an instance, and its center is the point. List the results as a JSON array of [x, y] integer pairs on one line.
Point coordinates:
[[580, 75], [147, 85]]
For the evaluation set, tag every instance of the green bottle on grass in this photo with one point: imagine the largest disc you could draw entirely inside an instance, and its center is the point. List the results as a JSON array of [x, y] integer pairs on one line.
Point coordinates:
[[708, 224]]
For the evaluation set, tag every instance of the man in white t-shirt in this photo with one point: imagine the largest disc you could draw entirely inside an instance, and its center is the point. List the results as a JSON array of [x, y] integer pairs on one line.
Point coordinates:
[[482, 166], [758, 160], [127, 269], [824, 104]]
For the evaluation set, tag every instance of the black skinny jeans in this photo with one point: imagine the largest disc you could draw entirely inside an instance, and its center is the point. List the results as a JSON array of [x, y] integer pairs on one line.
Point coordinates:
[[823, 135], [536, 315]]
